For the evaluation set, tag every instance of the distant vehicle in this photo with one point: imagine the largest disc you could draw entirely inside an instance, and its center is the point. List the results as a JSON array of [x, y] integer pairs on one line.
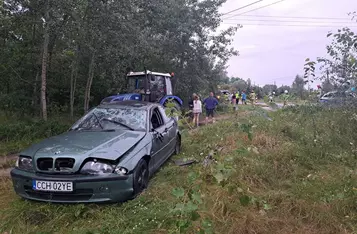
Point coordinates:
[[338, 97], [106, 156], [224, 93]]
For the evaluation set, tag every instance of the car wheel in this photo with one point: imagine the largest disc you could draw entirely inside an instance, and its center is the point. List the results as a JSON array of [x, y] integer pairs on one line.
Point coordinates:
[[177, 145], [141, 177]]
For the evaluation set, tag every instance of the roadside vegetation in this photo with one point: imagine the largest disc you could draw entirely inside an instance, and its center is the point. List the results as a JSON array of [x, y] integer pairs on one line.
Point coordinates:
[[16, 133], [288, 171]]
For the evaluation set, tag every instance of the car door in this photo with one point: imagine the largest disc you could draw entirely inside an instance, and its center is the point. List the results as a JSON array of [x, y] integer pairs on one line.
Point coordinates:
[[159, 137], [171, 129]]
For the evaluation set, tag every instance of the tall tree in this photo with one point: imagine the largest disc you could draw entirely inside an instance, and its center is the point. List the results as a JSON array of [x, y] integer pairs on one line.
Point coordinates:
[[72, 54], [327, 86], [298, 86], [46, 42], [269, 88]]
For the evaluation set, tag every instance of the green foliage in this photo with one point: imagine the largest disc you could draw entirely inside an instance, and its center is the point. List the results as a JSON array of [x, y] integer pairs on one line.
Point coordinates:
[[269, 88], [244, 200], [341, 65], [247, 128], [187, 208], [222, 172], [15, 134], [181, 115], [302, 162], [109, 38], [298, 87]]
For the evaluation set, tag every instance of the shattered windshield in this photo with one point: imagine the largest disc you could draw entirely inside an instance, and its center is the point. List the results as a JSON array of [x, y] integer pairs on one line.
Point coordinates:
[[113, 118]]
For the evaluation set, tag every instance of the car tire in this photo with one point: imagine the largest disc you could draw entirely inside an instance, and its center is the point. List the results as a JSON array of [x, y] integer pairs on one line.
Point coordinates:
[[141, 177], [177, 145]]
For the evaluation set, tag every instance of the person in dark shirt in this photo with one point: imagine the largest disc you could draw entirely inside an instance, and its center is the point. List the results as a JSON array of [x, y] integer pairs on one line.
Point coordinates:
[[210, 103]]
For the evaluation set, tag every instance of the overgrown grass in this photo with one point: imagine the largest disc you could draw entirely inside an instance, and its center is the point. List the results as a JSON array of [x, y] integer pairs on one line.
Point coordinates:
[[294, 174], [18, 133]]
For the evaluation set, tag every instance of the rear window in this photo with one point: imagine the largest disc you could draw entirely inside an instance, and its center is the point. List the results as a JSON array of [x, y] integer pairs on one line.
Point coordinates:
[[107, 100]]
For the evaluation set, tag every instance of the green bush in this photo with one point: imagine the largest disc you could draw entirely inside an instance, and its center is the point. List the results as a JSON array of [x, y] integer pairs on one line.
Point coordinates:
[[15, 134], [34, 130]]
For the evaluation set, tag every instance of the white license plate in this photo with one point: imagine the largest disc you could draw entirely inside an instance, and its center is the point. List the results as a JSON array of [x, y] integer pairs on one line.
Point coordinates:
[[55, 186]]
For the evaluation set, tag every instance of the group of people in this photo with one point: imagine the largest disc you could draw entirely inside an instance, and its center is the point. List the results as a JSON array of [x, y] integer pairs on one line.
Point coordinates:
[[243, 96], [210, 104]]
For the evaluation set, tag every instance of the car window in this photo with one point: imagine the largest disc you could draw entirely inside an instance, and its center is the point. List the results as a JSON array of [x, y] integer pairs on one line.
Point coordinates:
[[156, 119], [113, 118]]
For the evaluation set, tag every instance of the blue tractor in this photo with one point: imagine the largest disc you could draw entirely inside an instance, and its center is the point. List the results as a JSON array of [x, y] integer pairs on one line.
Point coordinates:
[[149, 86]]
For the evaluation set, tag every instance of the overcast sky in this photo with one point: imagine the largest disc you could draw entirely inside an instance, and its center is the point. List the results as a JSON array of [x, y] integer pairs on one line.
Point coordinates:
[[277, 51]]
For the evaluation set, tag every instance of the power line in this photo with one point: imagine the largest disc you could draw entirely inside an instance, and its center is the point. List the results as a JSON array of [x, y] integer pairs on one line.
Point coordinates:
[[256, 9], [295, 17], [292, 25], [245, 6], [291, 21]]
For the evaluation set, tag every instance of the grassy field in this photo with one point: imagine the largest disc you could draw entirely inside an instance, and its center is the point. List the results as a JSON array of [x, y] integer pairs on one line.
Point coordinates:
[[294, 172]]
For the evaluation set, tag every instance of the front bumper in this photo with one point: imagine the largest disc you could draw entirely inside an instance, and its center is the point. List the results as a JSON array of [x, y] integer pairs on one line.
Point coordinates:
[[86, 189]]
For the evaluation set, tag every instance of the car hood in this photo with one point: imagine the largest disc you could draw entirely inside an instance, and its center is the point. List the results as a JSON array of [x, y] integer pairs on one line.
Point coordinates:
[[83, 144]]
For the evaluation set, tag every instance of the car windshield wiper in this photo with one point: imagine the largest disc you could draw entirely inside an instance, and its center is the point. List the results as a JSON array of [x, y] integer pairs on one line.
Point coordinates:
[[119, 123], [101, 126], [92, 129]]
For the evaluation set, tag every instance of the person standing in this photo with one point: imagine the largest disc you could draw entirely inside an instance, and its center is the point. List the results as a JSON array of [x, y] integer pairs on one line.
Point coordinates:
[[197, 110], [190, 103], [252, 97], [237, 97], [244, 98], [210, 105], [285, 97], [234, 101]]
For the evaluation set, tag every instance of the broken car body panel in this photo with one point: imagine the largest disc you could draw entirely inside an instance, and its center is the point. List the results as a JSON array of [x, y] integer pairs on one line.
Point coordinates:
[[71, 160]]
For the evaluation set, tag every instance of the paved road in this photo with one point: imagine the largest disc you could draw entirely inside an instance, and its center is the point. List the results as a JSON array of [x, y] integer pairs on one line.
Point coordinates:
[[267, 107]]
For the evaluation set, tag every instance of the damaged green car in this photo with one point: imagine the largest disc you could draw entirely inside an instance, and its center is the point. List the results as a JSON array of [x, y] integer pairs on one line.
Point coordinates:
[[106, 156]]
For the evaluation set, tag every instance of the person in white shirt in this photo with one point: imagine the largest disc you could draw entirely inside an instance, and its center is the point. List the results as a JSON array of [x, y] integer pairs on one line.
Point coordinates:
[[197, 110]]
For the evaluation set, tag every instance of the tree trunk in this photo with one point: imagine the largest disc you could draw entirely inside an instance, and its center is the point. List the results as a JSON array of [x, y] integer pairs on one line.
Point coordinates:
[[74, 75], [35, 97], [44, 64], [89, 83]]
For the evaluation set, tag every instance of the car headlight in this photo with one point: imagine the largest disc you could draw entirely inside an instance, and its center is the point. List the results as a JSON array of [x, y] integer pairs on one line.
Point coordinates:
[[95, 167], [121, 170], [24, 163]]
